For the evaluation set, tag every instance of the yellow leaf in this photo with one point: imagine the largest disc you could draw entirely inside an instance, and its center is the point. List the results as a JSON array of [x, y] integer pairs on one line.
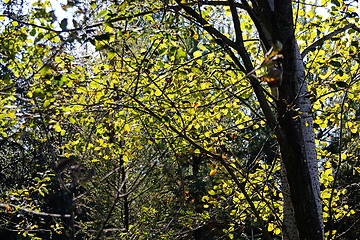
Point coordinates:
[[127, 128], [213, 172], [205, 198], [313, 34], [157, 92], [57, 127], [197, 54], [270, 227], [227, 11], [72, 120]]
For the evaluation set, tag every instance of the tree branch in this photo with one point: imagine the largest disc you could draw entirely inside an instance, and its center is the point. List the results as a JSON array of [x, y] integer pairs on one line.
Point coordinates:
[[236, 21], [239, 47], [220, 3], [112, 20], [215, 156], [339, 163], [112, 207], [248, 199], [261, 31], [327, 37], [7, 205]]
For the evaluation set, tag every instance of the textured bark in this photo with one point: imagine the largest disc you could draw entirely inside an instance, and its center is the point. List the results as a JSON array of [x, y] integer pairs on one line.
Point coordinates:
[[295, 133], [298, 148], [290, 231], [302, 204], [308, 149], [308, 133]]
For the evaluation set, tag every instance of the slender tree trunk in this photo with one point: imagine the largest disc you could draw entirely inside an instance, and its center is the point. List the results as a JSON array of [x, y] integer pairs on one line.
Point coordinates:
[[302, 203], [298, 148]]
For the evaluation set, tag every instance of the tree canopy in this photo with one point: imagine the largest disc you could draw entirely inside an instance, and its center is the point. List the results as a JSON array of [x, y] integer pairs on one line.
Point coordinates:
[[179, 119]]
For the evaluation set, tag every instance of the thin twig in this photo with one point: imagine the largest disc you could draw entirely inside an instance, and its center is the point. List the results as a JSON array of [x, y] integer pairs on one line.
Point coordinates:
[[338, 166]]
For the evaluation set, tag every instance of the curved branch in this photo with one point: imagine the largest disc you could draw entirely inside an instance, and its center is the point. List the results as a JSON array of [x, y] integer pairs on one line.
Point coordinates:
[[327, 37], [7, 205]]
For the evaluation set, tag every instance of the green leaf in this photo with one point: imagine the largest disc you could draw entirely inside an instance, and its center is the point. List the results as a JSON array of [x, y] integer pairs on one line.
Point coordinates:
[[102, 13], [180, 53], [33, 32], [111, 55], [45, 69], [46, 103], [336, 2]]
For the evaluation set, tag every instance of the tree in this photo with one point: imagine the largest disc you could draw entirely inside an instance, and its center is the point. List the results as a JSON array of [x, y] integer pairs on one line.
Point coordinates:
[[178, 83]]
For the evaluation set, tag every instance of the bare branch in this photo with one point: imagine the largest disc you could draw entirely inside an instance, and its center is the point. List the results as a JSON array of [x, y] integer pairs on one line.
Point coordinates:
[[260, 28]]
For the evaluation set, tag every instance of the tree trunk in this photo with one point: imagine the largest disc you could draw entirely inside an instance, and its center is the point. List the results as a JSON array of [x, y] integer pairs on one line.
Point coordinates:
[[297, 144], [298, 148]]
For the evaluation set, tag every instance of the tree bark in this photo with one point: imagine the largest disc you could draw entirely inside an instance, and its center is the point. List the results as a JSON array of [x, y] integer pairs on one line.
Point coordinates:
[[290, 231], [298, 150], [294, 116], [302, 203]]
